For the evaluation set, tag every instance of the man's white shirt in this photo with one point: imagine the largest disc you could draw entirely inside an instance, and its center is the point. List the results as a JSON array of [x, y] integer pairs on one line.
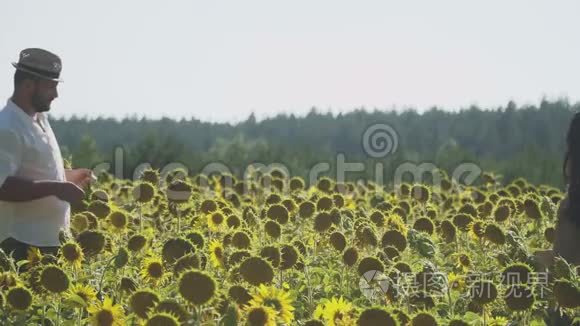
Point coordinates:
[[26, 150]]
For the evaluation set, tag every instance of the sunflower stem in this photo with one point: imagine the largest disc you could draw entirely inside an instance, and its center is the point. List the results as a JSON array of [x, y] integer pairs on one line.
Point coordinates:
[[103, 275], [139, 208], [178, 213], [310, 300], [342, 279], [198, 314], [450, 301], [80, 317], [280, 279], [58, 313]]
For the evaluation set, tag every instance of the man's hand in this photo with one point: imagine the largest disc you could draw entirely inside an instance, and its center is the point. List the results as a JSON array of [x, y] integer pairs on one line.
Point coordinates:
[[80, 177], [70, 192]]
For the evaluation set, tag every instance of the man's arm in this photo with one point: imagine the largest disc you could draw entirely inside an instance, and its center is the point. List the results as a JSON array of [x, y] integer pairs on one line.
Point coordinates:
[[21, 189], [18, 189]]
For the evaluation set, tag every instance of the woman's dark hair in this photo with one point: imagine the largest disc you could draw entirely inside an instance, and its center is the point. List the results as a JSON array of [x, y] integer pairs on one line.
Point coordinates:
[[572, 157]]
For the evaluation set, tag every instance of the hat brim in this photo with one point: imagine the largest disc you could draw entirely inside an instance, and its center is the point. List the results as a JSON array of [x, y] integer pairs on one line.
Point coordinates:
[[35, 73]]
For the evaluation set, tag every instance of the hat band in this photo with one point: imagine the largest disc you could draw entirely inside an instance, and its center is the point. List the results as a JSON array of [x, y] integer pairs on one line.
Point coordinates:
[[42, 72]]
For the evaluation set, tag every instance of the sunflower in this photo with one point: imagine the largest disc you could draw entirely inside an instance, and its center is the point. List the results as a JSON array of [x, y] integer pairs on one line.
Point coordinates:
[[273, 229], [178, 191], [34, 256], [424, 318], [19, 298], [127, 285], [81, 295], [107, 314], [376, 316], [162, 318], [289, 257], [143, 192], [216, 251], [197, 287], [338, 241], [519, 297], [72, 254], [335, 312], [350, 256], [233, 222], [54, 279], [278, 213], [462, 261], [92, 242], [137, 242], [216, 221], [239, 294], [142, 302], [394, 238], [370, 264], [279, 300], [494, 234], [173, 307], [397, 218], [151, 176], [241, 240], [8, 280], [497, 321], [152, 270], [483, 292], [79, 222], [260, 316], [256, 271], [456, 282], [476, 230], [322, 222], [175, 248]]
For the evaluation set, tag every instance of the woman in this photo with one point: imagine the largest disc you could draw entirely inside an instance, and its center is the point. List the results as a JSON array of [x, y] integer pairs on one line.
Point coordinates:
[[567, 237]]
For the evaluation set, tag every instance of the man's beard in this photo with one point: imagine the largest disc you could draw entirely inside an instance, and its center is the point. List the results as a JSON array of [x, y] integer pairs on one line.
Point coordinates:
[[39, 104]]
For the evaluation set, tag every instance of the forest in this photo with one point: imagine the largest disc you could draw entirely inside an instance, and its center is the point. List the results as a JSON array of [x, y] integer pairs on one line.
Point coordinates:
[[512, 141]]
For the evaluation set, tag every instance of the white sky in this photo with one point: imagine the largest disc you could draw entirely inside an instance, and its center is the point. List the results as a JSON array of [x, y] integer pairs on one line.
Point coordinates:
[[221, 60]]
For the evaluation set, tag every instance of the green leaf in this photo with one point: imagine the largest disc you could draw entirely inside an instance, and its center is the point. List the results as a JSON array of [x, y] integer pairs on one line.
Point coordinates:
[[231, 317], [471, 317], [76, 300], [22, 262], [538, 322]]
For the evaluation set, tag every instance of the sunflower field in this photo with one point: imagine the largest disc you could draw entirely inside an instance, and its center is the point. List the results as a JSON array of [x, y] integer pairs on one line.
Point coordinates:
[[270, 250]]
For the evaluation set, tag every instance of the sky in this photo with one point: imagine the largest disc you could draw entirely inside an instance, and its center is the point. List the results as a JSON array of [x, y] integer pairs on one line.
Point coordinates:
[[220, 61]]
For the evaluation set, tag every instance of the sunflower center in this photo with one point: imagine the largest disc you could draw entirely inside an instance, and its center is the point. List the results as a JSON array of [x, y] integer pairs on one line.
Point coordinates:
[[155, 270], [258, 317], [105, 318], [70, 253], [217, 218]]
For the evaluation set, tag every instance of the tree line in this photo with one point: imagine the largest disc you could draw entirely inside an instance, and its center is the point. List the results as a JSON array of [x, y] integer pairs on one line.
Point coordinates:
[[525, 141]]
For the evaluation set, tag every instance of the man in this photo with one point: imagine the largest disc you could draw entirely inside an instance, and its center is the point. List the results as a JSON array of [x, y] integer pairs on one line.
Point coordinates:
[[35, 189]]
